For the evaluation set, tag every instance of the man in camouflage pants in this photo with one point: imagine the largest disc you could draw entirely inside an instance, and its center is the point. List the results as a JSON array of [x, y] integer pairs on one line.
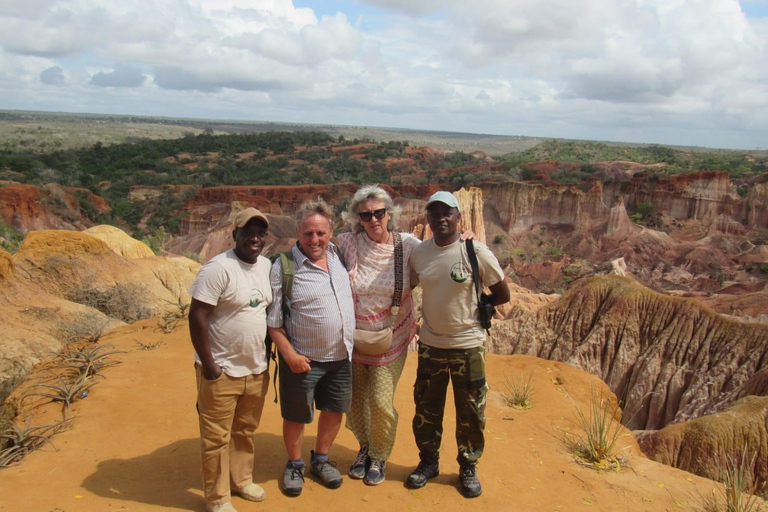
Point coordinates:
[[451, 345]]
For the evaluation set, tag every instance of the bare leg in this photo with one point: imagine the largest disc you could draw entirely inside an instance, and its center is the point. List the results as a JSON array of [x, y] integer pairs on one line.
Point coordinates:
[[293, 437], [328, 426]]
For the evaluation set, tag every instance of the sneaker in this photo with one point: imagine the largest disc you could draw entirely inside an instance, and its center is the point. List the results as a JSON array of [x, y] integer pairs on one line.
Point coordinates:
[[251, 492], [423, 472], [359, 468], [375, 474], [326, 471], [293, 479], [470, 485], [223, 507]]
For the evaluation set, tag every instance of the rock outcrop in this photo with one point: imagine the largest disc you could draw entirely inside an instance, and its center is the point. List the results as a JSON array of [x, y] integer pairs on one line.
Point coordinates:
[[706, 446], [668, 359], [28, 207], [38, 286], [119, 241]]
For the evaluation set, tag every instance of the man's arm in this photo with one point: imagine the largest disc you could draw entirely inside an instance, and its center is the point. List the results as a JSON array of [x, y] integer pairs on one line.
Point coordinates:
[[499, 293], [297, 362], [198, 331]]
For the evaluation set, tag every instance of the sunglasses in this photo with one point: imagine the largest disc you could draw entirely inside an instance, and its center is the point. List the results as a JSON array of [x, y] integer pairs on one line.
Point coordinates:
[[367, 216]]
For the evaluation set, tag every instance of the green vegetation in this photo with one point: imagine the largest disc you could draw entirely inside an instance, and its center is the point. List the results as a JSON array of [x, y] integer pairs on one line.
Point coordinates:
[[738, 164], [518, 392], [598, 430], [642, 213], [10, 238]]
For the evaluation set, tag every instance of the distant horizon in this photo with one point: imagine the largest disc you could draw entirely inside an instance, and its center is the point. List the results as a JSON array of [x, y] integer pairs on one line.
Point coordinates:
[[691, 73], [394, 129]]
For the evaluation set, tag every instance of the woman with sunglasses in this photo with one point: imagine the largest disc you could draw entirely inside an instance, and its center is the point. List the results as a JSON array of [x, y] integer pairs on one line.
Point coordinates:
[[369, 253]]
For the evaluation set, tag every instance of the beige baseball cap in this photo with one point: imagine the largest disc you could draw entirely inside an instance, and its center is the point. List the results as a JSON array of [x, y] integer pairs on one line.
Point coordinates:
[[242, 217]]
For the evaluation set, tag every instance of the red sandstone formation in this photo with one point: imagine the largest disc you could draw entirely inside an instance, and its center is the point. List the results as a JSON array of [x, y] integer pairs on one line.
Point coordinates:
[[668, 359]]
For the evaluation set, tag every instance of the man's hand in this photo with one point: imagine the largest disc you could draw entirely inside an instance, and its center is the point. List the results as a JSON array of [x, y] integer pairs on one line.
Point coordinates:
[[212, 372], [297, 362]]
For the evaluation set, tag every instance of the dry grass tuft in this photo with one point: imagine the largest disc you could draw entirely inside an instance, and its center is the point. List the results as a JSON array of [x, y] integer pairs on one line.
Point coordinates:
[[738, 491], [518, 392], [598, 430]]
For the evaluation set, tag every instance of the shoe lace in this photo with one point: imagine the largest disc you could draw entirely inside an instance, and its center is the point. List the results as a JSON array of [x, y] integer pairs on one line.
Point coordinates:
[[321, 464], [468, 472], [362, 457], [296, 472], [376, 465]]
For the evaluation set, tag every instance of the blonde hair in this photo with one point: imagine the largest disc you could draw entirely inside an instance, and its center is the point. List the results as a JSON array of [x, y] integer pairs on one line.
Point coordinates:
[[352, 219], [315, 207]]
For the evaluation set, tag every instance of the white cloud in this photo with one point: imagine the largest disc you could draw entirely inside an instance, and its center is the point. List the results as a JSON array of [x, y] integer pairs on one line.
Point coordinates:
[[589, 68]]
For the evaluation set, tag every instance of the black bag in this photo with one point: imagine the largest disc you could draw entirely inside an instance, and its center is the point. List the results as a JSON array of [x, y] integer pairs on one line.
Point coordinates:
[[485, 309]]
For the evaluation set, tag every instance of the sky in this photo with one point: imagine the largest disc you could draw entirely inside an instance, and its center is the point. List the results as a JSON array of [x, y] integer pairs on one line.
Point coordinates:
[[679, 72]]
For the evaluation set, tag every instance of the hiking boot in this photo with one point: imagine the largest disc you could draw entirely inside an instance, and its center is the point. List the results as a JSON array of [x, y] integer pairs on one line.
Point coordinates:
[[326, 471], [251, 492], [470, 485], [375, 474], [293, 479], [222, 507], [359, 468], [423, 472]]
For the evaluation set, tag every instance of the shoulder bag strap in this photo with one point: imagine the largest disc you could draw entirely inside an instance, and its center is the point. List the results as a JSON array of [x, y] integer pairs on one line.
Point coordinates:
[[398, 295], [475, 271]]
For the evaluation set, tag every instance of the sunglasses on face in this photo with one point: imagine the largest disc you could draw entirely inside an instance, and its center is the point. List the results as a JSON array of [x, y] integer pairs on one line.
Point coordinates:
[[367, 216]]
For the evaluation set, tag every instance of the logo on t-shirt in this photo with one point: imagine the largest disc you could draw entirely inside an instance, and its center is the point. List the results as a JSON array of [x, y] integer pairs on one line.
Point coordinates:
[[459, 272], [256, 298]]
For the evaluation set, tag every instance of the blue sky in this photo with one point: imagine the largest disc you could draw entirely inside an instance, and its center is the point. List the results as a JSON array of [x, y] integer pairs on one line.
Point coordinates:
[[687, 72]]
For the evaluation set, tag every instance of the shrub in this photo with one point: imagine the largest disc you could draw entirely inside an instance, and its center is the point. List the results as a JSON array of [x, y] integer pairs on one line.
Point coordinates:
[[124, 301], [498, 239], [555, 251], [10, 238], [87, 327]]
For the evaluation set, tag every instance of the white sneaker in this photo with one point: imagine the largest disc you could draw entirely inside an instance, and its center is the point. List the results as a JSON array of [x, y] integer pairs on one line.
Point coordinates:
[[251, 492], [222, 507]]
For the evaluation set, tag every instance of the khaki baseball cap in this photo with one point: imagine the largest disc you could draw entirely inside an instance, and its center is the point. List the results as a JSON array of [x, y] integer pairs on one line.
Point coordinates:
[[242, 217]]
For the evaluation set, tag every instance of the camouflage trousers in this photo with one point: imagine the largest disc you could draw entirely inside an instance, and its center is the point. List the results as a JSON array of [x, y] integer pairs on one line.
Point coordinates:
[[466, 370]]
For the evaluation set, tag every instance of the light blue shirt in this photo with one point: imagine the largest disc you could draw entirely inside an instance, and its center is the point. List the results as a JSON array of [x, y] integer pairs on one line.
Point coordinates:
[[322, 311]]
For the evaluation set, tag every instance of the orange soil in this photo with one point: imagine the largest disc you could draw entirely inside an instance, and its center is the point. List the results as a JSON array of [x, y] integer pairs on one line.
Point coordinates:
[[133, 446]]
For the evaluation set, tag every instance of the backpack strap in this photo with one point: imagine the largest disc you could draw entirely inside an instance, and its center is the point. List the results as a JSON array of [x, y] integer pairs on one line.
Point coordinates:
[[288, 271]]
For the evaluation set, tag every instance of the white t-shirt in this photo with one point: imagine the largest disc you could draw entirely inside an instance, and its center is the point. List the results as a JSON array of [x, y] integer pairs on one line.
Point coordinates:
[[237, 326], [449, 299]]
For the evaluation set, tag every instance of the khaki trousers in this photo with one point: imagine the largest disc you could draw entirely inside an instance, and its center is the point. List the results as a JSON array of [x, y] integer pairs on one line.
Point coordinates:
[[229, 410]]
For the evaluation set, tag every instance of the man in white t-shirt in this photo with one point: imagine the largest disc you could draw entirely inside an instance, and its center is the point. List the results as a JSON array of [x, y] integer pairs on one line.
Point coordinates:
[[451, 344], [228, 325]]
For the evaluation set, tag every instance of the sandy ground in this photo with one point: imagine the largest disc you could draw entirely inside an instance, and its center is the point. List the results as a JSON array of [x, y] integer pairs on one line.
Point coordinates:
[[133, 445]]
